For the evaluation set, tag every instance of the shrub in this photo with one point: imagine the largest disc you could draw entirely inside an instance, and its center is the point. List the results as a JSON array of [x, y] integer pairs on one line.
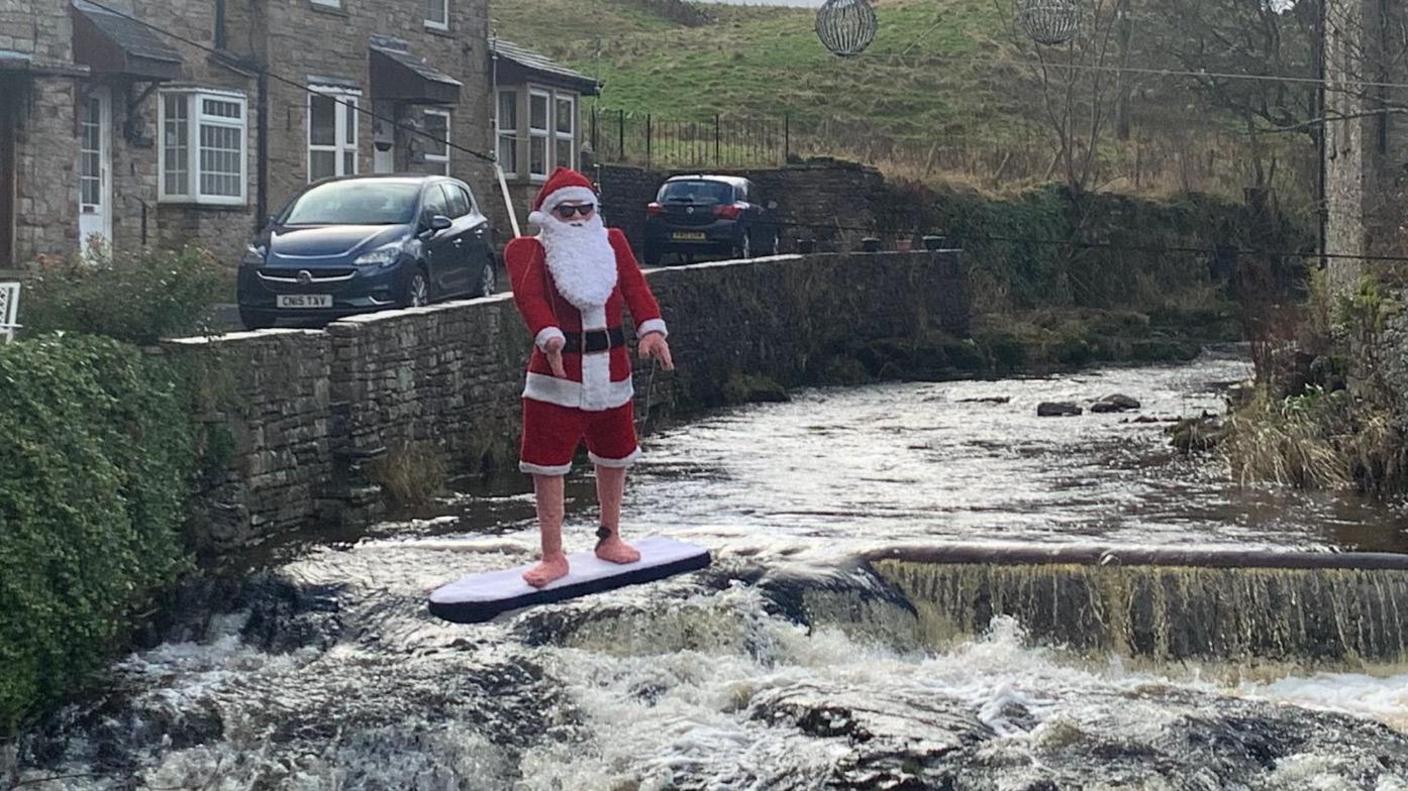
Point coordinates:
[[95, 460], [138, 297], [411, 472]]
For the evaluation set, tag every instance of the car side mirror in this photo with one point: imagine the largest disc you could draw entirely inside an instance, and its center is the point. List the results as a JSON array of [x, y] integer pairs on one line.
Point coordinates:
[[270, 221], [437, 223]]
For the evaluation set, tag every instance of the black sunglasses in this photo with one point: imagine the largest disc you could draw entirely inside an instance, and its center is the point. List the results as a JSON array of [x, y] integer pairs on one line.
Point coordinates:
[[566, 212]]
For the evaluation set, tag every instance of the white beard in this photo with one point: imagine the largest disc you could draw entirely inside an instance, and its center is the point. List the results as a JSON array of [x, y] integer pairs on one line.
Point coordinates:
[[581, 260]]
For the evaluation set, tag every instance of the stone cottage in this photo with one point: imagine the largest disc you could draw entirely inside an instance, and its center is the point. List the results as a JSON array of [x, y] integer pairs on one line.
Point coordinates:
[[164, 122], [1365, 144]]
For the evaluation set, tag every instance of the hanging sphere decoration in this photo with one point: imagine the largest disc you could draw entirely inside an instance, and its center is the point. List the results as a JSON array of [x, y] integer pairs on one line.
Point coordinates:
[[846, 27], [1049, 22]]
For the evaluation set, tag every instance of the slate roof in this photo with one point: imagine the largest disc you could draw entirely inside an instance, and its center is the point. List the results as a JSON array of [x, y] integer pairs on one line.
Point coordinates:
[[133, 37], [541, 64]]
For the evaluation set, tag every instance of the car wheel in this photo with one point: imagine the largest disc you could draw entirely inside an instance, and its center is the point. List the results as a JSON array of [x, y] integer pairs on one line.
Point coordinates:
[[417, 290], [745, 246], [486, 279], [255, 320], [652, 255]]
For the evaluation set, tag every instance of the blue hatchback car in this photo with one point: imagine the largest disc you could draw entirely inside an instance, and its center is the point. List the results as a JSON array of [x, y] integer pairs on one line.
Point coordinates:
[[365, 243]]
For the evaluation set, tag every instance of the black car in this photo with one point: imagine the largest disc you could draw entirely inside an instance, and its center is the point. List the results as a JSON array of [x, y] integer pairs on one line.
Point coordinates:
[[364, 243], [703, 215]]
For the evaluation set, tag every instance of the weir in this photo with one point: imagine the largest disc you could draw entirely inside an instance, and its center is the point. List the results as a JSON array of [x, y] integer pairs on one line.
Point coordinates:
[[1163, 604]]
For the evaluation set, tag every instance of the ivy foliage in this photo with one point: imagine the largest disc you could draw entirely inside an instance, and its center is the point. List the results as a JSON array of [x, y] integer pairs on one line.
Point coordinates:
[[96, 454]]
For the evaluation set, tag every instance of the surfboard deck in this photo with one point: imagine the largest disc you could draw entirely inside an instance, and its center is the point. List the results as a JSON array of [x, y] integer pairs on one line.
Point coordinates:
[[476, 598]]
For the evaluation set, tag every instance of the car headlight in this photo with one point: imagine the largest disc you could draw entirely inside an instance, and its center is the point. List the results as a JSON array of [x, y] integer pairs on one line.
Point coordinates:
[[384, 255], [254, 255]]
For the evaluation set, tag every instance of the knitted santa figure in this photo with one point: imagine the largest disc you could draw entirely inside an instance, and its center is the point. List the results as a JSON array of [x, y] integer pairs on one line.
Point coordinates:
[[571, 283]]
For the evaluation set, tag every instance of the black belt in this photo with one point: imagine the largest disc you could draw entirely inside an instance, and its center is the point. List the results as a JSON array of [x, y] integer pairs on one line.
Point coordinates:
[[594, 340]]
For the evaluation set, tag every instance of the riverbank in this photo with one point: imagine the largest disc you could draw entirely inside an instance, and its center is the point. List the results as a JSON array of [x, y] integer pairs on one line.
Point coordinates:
[[786, 660]]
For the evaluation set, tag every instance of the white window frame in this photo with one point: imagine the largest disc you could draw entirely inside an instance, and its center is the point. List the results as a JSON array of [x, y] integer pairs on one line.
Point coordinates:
[[544, 134], [445, 11], [195, 119], [509, 133], [440, 159], [344, 111], [571, 135]]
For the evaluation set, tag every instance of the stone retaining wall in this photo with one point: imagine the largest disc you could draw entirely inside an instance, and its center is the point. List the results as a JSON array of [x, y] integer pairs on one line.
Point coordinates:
[[832, 202], [295, 417]]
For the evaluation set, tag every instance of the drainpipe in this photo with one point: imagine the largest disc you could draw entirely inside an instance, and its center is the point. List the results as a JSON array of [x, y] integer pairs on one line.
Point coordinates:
[[261, 189]]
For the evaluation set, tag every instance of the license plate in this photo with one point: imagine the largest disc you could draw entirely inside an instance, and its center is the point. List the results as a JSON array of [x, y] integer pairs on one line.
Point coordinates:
[[688, 236], [305, 300]]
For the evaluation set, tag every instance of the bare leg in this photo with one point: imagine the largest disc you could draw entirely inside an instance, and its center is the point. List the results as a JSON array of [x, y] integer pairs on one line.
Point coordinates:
[[610, 489], [548, 490]]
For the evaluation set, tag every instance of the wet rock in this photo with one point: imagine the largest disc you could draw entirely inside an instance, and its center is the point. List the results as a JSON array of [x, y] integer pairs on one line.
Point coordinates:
[[1115, 402], [285, 616], [749, 389], [1057, 409], [1239, 395], [894, 738], [1198, 433], [986, 400]]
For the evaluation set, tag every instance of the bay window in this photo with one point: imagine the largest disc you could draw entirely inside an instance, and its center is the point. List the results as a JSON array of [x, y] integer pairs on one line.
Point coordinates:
[[204, 155]]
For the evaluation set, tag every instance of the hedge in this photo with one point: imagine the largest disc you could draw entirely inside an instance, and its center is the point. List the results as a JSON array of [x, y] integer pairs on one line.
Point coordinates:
[[96, 458]]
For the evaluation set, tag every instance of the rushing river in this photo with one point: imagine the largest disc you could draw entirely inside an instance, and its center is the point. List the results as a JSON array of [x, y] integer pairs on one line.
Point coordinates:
[[785, 665]]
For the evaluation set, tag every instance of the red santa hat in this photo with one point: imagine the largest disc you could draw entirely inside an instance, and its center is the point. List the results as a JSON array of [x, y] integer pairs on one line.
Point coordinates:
[[563, 185]]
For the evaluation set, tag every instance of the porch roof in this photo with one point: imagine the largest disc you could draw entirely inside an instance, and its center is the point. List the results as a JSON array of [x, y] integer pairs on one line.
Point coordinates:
[[398, 74], [519, 64], [109, 43]]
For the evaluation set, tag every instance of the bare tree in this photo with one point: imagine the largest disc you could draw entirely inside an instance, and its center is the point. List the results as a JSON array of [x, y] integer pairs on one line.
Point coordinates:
[[1078, 82]]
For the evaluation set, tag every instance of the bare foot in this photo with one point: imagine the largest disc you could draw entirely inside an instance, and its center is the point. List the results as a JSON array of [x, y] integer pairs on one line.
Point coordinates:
[[551, 568], [612, 549]]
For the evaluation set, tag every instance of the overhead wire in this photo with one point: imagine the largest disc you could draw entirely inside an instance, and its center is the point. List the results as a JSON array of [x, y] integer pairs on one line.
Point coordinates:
[[357, 107], [225, 58]]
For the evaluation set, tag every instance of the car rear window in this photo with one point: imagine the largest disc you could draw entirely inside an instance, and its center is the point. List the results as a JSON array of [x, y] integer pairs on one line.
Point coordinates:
[[355, 203], [697, 191]]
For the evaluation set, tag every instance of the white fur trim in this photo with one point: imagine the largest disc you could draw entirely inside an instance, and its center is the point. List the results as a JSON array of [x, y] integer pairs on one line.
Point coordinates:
[[537, 218], [615, 463], [546, 334], [565, 392], [596, 381], [579, 194], [652, 325], [538, 469], [594, 317]]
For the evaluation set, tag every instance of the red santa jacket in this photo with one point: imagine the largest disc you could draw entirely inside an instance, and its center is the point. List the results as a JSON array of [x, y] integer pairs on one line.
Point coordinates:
[[596, 381]]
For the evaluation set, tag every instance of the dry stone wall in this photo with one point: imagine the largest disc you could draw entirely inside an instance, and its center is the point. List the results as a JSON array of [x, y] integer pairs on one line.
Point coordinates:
[[303, 415]]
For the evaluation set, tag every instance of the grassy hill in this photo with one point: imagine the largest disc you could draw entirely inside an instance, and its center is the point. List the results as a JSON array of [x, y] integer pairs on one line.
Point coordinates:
[[940, 94], [763, 61]]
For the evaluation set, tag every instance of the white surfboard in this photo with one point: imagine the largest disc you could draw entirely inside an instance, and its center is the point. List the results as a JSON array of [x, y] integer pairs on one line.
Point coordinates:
[[478, 597]]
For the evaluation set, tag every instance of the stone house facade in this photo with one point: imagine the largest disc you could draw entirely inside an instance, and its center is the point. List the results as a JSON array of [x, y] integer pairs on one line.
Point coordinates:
[[1366, 135], [168, 122]]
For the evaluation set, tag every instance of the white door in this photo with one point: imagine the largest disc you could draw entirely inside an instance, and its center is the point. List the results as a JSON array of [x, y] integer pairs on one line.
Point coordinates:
[[95, 167], [383, 138]]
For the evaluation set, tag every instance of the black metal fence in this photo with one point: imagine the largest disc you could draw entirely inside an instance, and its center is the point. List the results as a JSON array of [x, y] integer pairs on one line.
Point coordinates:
[[621, 137], [1150, 162]]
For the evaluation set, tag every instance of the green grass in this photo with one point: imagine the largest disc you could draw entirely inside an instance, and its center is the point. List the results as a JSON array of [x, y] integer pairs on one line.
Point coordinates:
[[763, 62], [940, 95]]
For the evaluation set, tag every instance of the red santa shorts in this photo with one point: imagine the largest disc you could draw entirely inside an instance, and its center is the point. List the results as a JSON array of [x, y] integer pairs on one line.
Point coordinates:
[[551, 434]]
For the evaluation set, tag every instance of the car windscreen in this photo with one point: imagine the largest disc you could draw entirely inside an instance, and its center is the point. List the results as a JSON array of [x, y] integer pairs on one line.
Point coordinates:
[[355, 203], [697, 191]]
